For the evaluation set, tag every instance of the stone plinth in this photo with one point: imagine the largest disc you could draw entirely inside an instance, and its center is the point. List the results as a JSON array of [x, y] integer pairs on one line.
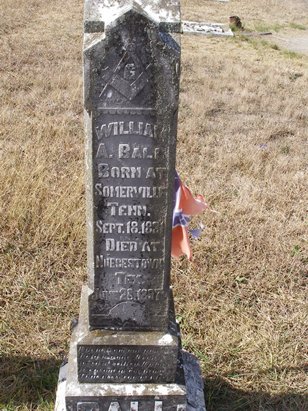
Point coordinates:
[[125, 356], [88, 384], [132, 397]]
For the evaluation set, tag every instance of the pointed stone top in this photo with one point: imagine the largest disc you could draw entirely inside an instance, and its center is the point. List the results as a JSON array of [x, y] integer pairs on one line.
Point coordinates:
[[100, 13]]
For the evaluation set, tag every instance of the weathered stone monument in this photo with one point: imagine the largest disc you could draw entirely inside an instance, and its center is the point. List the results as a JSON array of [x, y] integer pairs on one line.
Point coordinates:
[[125, 352]]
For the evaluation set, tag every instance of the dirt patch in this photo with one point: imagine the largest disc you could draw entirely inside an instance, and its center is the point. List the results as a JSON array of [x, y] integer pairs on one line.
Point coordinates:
[[293, 41]]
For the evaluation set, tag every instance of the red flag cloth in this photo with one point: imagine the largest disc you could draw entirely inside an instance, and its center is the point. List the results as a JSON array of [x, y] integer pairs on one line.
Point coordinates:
[[185, 206]]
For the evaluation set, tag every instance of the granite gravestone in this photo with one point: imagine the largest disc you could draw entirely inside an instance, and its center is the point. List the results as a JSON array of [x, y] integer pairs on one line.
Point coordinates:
[[125, 351]]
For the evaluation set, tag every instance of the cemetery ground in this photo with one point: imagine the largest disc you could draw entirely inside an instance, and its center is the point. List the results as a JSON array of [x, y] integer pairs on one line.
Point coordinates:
[[242, 142]]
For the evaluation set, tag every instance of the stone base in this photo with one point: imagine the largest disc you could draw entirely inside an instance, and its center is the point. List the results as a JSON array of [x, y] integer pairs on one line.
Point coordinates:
[[107, 356], [133, 397], [142, 371]]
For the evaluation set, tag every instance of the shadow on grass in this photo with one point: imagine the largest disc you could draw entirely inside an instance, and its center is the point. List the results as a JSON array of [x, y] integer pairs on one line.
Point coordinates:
[[222, 396], [27, 381]]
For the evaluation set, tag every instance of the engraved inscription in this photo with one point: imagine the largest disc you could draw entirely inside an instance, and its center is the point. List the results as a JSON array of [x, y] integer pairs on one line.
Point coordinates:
[[125, 128], [118, 172], [131, 227], [113, 364], [129, 192], [140, 263], [129, 405], [130, 294], [139, 151], [127, 210], [113, 245], [115, 406], [87, 406], [105, 171]]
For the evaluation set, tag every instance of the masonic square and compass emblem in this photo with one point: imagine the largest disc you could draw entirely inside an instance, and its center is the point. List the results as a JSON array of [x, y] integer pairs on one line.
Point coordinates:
[[127, 77]]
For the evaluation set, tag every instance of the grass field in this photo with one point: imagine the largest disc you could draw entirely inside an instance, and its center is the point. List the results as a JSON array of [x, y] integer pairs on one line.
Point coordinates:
[[242, 302]]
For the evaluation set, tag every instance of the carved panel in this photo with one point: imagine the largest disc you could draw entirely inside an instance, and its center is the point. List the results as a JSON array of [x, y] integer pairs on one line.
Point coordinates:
[[132, 107]]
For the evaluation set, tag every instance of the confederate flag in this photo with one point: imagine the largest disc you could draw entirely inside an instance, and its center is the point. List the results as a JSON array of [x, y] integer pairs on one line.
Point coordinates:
[[185, 205]]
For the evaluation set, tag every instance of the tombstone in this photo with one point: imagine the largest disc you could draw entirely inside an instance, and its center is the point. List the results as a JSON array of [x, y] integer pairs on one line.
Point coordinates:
[[125, 352]]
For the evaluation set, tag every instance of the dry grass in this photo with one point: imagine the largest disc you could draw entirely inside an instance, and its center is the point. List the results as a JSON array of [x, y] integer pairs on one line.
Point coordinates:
[[242, 142], [253, 13]]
